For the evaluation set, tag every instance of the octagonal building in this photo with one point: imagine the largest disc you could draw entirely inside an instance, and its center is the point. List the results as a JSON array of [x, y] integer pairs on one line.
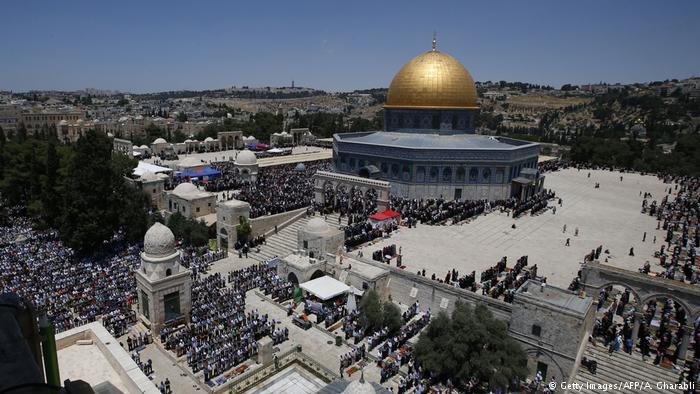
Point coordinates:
[[428, 148]]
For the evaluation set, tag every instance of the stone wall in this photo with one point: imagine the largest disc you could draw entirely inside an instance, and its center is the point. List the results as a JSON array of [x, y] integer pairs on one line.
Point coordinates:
[[118, 358], [434, 295], [265, 224]]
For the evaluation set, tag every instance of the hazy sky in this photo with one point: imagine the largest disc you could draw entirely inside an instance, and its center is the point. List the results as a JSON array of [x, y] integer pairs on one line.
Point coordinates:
[[143, 46]]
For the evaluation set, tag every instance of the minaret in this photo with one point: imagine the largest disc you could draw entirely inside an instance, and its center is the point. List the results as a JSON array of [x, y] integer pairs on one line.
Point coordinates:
[[164, 286]]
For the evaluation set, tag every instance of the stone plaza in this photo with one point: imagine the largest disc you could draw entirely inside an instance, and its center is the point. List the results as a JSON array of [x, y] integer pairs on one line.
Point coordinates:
[[608, 216]]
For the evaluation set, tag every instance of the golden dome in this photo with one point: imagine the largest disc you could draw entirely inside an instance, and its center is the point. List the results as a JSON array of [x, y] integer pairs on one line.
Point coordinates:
[[432, 80]]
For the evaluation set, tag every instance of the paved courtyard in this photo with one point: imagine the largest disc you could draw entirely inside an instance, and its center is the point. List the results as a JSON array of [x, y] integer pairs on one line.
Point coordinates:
[[608, 216]]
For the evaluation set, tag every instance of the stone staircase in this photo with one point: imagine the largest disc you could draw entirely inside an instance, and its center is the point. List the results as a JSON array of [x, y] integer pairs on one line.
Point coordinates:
[[623, 367], [285, 241]]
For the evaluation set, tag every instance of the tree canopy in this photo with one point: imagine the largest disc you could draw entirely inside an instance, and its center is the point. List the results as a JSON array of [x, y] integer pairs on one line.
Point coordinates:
[[79, 189], [375, 314], [471, 346], [189, 231]]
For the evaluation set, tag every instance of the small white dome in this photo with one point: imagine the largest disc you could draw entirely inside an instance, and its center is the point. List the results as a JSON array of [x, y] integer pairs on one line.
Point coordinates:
[[159, 241], [246, 157], [357, 387], [208, 139], [144, 147], [185, 189], [188, 140], [160, 141], [316, 225]]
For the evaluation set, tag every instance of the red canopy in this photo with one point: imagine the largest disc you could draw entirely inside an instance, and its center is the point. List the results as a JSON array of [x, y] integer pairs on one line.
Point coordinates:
[[388, 214]]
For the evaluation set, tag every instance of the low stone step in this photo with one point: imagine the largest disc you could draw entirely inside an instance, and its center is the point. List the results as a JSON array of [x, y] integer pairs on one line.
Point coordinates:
[[630, 362]]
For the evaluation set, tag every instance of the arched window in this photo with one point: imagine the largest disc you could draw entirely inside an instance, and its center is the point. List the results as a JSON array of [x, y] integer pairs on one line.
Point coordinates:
[[168, 272], [405, 173], [486, 175], [447, 174], [460, 174], [352, 163], [499, 175], [394, 170], [473, 174], [385, 168], [420, 174], [434, 172]]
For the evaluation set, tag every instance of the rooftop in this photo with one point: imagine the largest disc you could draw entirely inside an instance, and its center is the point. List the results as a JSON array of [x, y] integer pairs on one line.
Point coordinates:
[[363, 269], [554, 296], [432, 141]]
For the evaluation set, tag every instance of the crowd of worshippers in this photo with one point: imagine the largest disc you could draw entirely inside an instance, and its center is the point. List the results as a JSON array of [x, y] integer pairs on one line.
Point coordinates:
[[395, 352], [145, 367], [394, 361], [220, 334], [243, 246], [362, 232], [135, 341], [333, 315], [415, 378], [71, 290], [512, 280], [405, 333], [263, 276], [384, 254], [666, 340], [329, 314], [410, 312], [679, 218], [199, 260], [352, 327], [353, 356], [118, 321], [490, 283], [164, 387], [438, 211], [551, 165], [277, 189], [350, 202], [535, 203]]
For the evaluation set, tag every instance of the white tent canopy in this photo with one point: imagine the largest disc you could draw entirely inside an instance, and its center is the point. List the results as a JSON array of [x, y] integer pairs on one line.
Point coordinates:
[[325, 287], [143, 167]]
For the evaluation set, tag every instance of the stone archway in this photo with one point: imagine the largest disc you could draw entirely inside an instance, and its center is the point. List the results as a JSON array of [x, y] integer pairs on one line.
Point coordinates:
[[323, 178], [317, 274], [596, 276], [620, 284], [292, 277], [554, 369]]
